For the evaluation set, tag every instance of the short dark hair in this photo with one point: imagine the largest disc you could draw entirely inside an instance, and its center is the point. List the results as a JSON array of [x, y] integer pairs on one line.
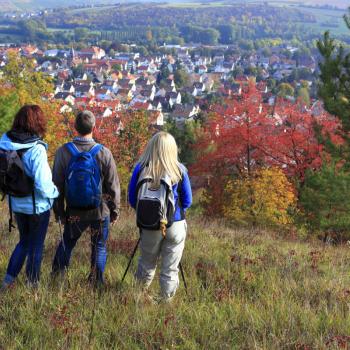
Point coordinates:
[[85, 122], [30, 119]]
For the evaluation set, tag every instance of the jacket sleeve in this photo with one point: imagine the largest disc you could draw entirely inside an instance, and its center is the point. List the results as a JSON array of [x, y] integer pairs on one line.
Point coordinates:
[[41, 173], [111, 183], [186, 191], [132, 194], [59, 180]]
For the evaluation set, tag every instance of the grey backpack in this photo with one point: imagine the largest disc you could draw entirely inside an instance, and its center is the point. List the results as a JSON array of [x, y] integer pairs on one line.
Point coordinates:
[[154, 205]]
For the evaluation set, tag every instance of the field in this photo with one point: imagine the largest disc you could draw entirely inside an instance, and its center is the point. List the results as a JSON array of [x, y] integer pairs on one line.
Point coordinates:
[[327, 20], [247, 290]]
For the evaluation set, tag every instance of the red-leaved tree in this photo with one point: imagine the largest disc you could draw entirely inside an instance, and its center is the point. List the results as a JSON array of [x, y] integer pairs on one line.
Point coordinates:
[[246, 134]]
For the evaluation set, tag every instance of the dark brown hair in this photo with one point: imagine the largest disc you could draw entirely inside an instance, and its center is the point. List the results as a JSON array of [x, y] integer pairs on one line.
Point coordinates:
[[30, 119], [85, 122]]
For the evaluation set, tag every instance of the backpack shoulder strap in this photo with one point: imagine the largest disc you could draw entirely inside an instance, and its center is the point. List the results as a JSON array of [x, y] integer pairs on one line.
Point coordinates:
[[142, 179], [72, 148], [179, 194], [21, 152], [95, 149]]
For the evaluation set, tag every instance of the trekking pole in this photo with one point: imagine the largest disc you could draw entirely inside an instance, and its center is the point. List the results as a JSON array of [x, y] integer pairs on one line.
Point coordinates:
[[61, 233], [93, 314], [130, 260], [183, 276], [94, 281]]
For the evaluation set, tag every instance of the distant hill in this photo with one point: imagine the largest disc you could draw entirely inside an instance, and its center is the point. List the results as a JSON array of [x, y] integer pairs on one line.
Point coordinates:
[[18, 5]]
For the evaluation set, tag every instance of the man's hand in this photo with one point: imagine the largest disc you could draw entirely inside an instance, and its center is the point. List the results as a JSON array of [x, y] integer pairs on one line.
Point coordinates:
[[114, 217]]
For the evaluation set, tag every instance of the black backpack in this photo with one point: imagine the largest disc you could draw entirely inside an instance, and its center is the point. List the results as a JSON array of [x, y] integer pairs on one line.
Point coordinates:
[[14, 182], [154, 205]]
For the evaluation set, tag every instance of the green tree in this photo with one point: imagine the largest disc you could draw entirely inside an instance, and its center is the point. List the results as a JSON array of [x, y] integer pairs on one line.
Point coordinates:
[[304, 95], [335, 79], [81, 34], [325, 199], [285, 90], [227, 33], [34, 30], [187, 98], [181, 78], [334, 85], [185, 137], [117, 67], [19, 85], [9, 105], [78, 70], [209, 36], [29, 85]]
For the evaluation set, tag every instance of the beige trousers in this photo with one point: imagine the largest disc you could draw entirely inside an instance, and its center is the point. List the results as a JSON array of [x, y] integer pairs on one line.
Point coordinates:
[[169, 249]]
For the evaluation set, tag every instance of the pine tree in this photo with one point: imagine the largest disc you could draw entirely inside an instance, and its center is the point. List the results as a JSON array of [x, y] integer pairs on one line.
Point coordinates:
[[325, 199], [335, 79]]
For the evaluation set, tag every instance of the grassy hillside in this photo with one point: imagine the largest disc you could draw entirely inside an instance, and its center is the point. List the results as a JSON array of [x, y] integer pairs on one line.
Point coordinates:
[[247, 290]]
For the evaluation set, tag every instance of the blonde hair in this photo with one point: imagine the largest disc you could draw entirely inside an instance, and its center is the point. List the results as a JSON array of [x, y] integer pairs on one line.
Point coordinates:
[[160, 158]]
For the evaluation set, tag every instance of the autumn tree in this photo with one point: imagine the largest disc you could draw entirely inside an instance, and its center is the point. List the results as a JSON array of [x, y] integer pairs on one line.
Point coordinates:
[[267, 199], [20, 84], [244, 135], [293, 144], [30, 86], [230, 146], [126, 135]]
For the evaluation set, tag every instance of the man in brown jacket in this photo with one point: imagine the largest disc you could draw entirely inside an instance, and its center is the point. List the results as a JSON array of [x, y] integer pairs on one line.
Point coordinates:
[[77, 220]]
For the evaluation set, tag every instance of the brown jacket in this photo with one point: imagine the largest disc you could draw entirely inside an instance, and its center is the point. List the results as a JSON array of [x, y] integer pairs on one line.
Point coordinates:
[[110, 183]]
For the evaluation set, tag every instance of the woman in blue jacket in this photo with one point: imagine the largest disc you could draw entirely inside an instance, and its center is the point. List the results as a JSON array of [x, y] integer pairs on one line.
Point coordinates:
[[32, 213], [160, 159]]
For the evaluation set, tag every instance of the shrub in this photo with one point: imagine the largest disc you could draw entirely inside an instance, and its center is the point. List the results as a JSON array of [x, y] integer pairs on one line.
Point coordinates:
[[266, 198]]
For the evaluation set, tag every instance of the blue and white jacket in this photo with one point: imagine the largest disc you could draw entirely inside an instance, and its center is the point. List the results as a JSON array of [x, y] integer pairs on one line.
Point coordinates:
[[185, 199], [37, 167]]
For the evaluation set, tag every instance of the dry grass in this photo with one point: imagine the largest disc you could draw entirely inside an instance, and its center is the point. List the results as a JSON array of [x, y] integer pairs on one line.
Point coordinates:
[[246, 291]]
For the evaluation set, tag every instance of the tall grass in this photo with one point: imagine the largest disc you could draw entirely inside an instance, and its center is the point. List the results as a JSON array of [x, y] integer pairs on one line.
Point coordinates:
[[246, 291]]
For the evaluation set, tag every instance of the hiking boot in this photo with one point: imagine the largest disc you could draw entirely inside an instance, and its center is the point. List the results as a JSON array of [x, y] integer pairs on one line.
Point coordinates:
[[5, 286], [7, 283], [166, 300], [97, 282], [145, 298], [56, 275]]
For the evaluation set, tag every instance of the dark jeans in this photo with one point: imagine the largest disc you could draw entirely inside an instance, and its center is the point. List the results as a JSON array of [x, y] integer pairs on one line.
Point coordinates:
[[32, 233], [71, 234]]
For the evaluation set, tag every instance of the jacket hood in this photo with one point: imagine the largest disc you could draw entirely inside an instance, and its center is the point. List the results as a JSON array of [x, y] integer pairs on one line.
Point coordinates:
[[19, 141]]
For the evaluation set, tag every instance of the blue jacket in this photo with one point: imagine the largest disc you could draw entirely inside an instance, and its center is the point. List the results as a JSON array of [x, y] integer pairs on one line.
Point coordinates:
[[185, 192], [37, 167]]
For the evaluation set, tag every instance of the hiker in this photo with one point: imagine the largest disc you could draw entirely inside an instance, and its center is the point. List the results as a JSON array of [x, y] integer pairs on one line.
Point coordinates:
[[158, 174], [86, 176], [26, 179]]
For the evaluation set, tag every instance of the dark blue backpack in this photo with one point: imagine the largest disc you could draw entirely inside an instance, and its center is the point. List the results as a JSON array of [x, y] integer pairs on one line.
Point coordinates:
[[83, 179]]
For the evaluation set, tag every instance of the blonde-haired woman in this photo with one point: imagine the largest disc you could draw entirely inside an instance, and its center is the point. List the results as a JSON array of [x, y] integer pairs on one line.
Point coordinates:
[[160, 159]]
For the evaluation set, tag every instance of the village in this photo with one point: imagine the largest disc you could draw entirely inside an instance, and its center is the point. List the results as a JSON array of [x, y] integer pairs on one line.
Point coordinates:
[[176, 85]]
